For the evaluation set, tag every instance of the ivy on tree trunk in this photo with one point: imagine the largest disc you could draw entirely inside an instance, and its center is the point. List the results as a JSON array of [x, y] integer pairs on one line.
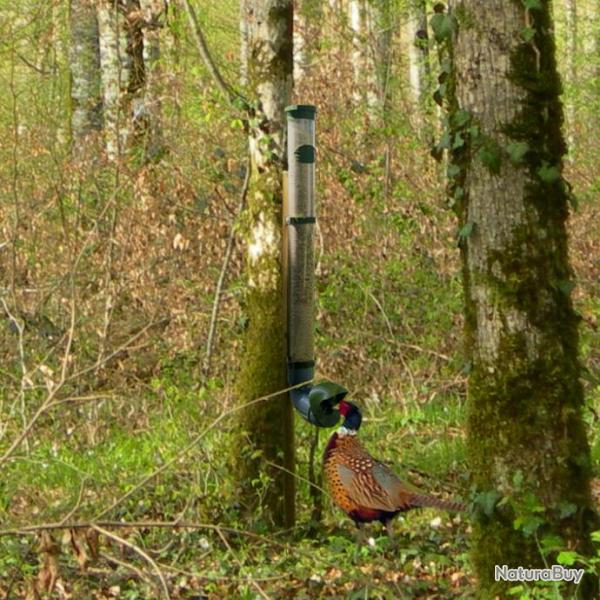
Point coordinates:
[[527, 443]]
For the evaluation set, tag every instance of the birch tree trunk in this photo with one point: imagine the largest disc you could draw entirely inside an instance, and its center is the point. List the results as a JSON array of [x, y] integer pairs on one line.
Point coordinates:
[[267, 426], [418, 53], [526, 437], [84, 61], [371, 37], [152, 11], [111, 74]]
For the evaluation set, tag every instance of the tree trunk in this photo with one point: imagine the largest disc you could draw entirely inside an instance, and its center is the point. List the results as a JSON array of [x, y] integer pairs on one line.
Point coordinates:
[[301, 29], [152, 11], [111, 74], [84, 60], [267, 426], [571, 71], [418, 54], [526, 437]]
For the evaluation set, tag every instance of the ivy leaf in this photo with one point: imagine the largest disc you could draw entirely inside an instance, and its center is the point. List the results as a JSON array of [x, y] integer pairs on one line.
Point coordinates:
[[567, 509], [453, 171], [565, 286], [490, 157], [548, 173], [443, 26], [465, 231], [517, 151], [459, 142], [487, 501], [459, 193], [473, 132], [528, 33], [566, 557], [532, 4], [528, 524], [460, 118]]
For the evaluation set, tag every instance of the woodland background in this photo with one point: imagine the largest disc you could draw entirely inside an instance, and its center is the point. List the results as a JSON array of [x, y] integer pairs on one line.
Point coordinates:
[[110, 257]]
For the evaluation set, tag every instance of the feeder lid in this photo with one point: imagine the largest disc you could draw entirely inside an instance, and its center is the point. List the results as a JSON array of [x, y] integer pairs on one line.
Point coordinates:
[[301, 111]]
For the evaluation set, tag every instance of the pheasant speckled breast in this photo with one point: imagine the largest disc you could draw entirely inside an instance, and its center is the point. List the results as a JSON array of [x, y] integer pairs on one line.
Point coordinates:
[[364, 488]]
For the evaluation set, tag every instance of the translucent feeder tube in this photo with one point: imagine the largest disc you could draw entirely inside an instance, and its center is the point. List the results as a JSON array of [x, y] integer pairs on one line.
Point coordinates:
[[300, 225]]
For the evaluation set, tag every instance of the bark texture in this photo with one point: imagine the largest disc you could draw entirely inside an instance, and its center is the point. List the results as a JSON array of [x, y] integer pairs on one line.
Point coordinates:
[[418, 53], [111, 73], [84, 60], [526, 437], [152, 11], [268, 426]]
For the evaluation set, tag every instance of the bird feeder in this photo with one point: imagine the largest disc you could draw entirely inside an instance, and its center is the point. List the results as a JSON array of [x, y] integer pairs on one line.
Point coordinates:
[[316, 403]]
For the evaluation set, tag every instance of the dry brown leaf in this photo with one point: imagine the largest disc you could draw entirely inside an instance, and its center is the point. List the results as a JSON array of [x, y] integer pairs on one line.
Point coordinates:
[[49, 571], [92, 537], [79, 549]]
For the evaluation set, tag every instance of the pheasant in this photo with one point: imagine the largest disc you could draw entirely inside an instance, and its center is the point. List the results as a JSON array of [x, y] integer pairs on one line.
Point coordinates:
[[364, 488]]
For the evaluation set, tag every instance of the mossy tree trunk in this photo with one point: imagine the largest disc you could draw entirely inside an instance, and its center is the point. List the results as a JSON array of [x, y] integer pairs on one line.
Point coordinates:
[[266, 427], [526, 436], [84, 63]]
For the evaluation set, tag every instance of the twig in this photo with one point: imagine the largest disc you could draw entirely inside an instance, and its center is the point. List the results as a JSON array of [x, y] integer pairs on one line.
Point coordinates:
[[231, 94], [139, 551], [189, 447], [240, 564], [391, 332], [33, 529], [221, 280]]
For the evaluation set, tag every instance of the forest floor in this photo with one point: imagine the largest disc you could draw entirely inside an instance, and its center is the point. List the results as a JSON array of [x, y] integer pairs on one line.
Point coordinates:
[[137, 403]]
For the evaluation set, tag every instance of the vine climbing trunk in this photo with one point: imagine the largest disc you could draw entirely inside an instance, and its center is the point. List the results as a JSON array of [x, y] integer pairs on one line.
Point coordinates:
[[527, 442], [267, 447]]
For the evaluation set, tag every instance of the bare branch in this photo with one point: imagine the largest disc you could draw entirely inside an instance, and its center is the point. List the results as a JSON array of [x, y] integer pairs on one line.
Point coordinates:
[[221, 280], [139, 551], [231, 94]]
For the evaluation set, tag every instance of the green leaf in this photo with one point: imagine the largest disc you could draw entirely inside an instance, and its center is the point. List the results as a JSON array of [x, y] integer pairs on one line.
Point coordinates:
[[465, 231], [473, 132], [565, 286], [548, 173], [532, 4], [459, 142], [460, 118], [595, 536], [518, 479], [528, 524], [517, 151], [528, 33], [567, 558], [567, 509], [443, 26], [453, 171], [459, 193], [487, 501], [490, 157]]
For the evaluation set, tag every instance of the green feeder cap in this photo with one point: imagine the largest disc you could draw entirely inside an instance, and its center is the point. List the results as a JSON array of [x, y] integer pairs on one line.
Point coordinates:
[[301, 111], [322, 398]]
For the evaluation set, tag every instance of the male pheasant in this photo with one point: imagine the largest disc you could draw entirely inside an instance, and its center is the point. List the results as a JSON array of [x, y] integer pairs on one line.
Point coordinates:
[[364, 488]]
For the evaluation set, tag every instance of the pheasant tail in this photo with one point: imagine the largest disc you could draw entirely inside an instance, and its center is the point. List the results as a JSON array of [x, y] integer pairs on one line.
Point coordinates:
[[425, 501]]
